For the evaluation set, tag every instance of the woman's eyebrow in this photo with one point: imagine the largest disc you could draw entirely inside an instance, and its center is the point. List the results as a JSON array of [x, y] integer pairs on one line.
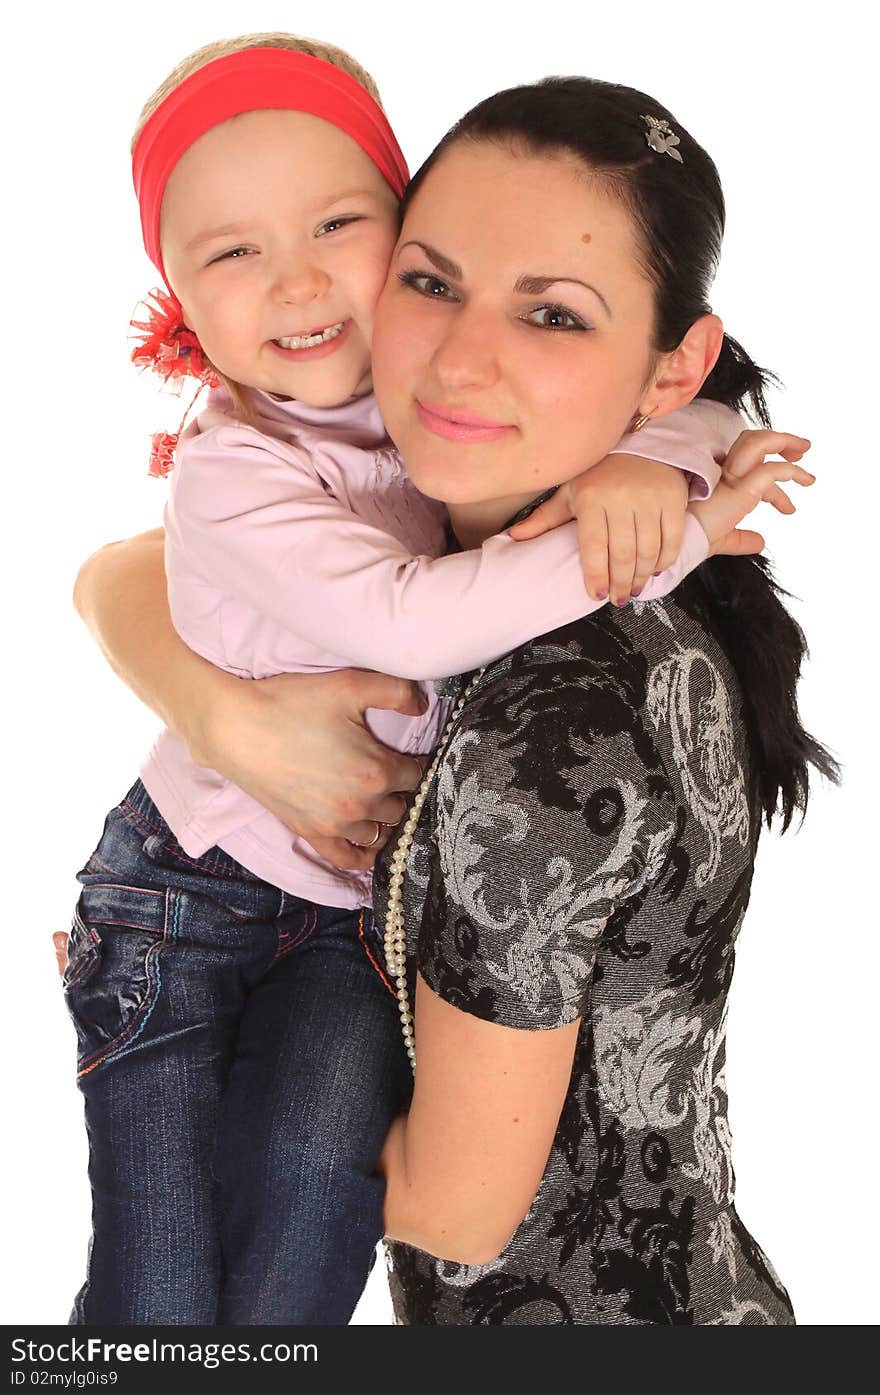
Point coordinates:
[[536, 285], [449, 268], [525, 285]]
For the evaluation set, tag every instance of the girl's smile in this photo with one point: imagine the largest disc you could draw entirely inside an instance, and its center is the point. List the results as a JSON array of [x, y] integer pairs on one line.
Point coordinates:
[[319, 343]]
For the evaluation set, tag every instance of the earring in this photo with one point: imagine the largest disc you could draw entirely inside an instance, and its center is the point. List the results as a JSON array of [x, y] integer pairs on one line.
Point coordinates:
[[639, 423]]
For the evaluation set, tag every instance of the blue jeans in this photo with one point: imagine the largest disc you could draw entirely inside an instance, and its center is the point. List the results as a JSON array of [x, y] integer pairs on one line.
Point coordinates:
[[241, 1062]]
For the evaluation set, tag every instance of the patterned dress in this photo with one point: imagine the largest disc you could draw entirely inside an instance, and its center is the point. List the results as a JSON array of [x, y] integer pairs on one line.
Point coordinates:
[[587, 852]]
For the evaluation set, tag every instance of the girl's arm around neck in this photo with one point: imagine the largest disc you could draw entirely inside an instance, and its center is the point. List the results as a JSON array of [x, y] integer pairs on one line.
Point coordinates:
[[696, 438], [254, 519]]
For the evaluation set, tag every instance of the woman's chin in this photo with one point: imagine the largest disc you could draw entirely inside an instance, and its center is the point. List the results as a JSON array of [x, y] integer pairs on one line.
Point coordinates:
[[455, 481]]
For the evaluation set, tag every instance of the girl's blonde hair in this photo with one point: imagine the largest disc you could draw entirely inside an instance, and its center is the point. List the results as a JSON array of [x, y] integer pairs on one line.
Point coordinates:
[[314, 48], [221, 48]]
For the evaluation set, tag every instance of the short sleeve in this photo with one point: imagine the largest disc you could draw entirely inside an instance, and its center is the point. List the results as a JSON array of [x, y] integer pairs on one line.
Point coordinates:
[[552, 814]]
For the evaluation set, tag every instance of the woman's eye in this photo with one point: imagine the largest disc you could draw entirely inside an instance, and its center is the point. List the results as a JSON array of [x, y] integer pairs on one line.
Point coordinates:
[[553, 317], [333, 223], [427, 285]]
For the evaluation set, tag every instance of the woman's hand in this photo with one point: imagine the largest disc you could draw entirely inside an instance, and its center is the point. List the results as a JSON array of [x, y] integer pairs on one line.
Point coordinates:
[[298, 744], [746, 480], [630, 521]]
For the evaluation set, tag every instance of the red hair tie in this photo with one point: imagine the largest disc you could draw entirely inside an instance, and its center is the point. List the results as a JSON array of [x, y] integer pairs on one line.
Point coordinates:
[[170, 349], [255, 79]]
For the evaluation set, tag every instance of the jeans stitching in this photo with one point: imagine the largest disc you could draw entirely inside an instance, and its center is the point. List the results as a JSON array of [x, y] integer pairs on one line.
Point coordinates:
[[300, 938], [94, 863], [374, 962]]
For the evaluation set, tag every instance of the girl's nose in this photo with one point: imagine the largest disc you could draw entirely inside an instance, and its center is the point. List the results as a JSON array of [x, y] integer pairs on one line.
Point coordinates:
[[301, 283], [465, 357]]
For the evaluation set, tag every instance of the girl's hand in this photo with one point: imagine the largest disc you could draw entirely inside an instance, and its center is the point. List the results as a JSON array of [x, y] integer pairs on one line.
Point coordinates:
[[298, 744], [630, 521], [745, 481], [59, 940]]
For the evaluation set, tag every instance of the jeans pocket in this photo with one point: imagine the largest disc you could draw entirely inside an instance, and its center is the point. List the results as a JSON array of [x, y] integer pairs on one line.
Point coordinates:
[[83, 952], [113, 978]]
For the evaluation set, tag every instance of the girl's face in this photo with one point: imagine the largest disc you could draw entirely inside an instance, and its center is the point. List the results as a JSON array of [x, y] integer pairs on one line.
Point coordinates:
[[276, 232], [513, 339]]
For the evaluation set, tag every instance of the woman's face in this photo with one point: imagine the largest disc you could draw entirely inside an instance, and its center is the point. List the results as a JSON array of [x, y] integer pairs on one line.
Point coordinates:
[[512, 342]]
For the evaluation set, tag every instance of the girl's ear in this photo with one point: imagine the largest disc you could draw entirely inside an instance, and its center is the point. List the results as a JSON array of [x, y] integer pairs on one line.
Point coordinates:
[[681, 373]]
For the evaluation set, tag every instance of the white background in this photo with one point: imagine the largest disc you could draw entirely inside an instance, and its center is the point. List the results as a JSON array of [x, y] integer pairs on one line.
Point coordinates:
[[780, 99]]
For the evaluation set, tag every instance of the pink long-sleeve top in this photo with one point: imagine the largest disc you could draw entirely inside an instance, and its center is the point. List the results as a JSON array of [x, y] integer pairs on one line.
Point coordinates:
[[299, 545]]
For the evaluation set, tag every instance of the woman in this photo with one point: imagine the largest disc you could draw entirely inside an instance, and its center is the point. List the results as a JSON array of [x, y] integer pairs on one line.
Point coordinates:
[[583, 857], [573, 888]]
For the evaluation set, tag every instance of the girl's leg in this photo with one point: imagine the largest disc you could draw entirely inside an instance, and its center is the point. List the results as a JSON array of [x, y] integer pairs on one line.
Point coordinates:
[[162, 951], [319, 1074]]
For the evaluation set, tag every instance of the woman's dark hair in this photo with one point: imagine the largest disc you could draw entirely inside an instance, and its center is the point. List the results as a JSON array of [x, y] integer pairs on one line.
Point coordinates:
[[678, 211]]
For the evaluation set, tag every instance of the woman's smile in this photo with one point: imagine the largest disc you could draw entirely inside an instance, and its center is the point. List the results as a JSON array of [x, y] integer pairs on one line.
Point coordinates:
[[456, 424]]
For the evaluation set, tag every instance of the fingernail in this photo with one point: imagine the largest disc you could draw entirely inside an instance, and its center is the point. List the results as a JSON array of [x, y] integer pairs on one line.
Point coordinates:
[[601, 595], [621, 601], [637, 591]]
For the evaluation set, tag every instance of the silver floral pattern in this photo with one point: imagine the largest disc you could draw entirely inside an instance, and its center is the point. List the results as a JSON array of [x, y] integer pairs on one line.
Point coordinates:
[[687, 695]]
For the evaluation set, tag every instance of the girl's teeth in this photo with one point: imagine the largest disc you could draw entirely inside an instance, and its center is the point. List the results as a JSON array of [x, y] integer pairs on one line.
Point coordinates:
[[308, 341]]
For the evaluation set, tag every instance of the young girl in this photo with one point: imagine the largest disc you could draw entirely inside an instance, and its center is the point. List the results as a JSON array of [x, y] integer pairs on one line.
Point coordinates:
[[239, 1048]]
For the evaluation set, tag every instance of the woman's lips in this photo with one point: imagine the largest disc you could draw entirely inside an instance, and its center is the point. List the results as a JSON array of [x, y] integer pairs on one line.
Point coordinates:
[[329, 346], [455, 425]]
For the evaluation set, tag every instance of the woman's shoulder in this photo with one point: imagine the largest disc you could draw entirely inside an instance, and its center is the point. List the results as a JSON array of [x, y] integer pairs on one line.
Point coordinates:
[[556, 714], [606, 656], [589, 705]]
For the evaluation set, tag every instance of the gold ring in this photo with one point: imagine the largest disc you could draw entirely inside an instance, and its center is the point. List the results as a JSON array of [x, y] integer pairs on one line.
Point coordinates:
[[373, 841]]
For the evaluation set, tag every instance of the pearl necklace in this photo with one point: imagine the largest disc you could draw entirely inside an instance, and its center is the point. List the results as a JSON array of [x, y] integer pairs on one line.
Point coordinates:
[[395, 929]]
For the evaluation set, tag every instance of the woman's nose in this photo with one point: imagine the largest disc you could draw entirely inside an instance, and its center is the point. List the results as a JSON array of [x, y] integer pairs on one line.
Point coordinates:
[[466, 356]]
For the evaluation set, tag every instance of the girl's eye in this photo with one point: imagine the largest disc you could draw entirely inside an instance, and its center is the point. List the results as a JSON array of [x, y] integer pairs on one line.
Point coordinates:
[[233, 254], [333, 223], [554, 317], [427, 285]]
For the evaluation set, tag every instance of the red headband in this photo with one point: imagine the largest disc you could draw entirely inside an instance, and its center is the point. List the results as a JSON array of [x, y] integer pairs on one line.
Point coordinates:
[[255, 79]]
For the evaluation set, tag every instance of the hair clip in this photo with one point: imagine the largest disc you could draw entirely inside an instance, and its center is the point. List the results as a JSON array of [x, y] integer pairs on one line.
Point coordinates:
[[662, 138]]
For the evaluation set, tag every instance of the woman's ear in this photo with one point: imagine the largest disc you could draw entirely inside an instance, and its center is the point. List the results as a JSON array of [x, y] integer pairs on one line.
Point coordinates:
[[681, 373]]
